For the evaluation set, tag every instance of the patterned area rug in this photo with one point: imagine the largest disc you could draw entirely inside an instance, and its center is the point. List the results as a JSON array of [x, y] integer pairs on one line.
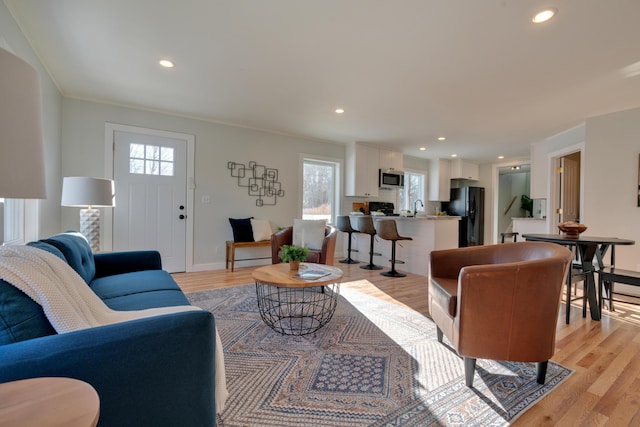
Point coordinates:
[[373, 364]]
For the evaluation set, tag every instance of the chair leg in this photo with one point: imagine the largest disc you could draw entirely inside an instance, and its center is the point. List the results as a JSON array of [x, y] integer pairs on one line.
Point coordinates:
[[469, 370], [568, 315], [393, 272], [439, 334], [541, 369], [371, 265], [349, 260]]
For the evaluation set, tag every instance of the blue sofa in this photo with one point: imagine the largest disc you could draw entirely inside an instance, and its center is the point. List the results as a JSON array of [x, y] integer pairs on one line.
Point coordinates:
[[158, 371]]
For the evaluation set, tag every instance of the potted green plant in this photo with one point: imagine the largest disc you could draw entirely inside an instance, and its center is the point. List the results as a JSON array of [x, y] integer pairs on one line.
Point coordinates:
[[293, 255]]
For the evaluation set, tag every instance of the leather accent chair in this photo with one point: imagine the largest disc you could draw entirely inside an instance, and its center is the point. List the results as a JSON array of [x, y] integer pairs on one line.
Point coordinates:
[[499, 302], [323, 256]]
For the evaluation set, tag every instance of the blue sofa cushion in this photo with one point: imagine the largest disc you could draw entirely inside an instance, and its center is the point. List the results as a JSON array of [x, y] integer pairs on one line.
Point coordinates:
[[133, 283], [49, 248], [21, 318], [76, 251], [151, 299]]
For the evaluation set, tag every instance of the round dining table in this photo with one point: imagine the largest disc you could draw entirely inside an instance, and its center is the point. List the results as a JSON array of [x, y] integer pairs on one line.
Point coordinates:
[[589, 247]]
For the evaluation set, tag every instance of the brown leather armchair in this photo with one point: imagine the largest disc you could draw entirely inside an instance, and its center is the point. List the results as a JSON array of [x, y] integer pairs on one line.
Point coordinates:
[[323, 256], [499, 302]]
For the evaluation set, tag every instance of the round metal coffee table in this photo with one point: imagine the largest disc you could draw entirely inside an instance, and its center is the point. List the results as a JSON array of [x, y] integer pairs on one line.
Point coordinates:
[[293, 305]]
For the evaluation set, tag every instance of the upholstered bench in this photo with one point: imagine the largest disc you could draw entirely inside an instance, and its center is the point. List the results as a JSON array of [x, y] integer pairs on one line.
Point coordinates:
[[231, 251]]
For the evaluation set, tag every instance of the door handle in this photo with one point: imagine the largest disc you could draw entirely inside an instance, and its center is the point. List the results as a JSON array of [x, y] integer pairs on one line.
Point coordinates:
[[182, 216]]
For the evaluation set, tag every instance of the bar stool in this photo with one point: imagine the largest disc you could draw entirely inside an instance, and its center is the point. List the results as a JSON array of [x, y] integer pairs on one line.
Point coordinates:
[[343, 222], [365, 225], [388, 230]]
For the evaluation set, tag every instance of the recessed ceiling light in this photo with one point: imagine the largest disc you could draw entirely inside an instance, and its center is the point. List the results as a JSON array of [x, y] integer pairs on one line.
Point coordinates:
[[501, 157], [339, 110], [544, 16], [423, 148], [166, 63], [442, 138], [454, 155]]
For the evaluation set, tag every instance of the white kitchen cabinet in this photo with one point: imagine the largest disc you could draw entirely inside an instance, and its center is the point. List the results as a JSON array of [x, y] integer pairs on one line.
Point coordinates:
[[390, 160], [439, 180], [464, 169], [539, 171], [362, 166]]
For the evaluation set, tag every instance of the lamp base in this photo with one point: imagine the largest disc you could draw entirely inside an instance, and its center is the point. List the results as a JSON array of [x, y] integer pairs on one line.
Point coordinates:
[[90, 227]]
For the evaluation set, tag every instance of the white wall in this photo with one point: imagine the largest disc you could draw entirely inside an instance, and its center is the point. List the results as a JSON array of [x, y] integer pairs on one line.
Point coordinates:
[[612, 147], [49, 209], [216, 144]]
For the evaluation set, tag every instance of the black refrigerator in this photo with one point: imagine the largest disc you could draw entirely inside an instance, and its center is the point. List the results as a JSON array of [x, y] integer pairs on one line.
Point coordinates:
[[468, 203]]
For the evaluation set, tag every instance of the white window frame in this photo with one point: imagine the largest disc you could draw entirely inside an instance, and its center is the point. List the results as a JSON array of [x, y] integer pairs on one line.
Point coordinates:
[[337, 193], [423, 192], [21, 225]]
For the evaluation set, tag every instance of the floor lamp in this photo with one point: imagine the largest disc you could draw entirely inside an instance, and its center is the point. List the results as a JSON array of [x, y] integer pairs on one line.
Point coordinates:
[[88, 193], [21, 149]]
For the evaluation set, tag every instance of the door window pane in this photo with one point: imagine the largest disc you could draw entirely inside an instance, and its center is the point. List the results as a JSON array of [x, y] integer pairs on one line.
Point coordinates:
[[150, 159]]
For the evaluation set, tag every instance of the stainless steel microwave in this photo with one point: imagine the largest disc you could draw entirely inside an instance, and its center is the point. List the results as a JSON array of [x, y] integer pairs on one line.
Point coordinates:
[[390, 179]]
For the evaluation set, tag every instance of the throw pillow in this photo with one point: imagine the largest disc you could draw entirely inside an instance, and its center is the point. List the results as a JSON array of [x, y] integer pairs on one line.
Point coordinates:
[[309, 233], [261, 229], [242, 231]]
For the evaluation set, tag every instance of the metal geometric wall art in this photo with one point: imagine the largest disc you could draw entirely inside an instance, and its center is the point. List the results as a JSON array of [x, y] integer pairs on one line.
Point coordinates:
[[261, 181]]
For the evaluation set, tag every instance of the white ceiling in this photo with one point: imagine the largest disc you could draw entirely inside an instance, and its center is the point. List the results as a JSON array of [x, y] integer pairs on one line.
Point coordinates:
[[406, 71]]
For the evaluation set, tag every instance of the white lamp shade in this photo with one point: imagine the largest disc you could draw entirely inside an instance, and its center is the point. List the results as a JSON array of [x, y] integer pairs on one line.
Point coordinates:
[[21, 149], [82, 191]]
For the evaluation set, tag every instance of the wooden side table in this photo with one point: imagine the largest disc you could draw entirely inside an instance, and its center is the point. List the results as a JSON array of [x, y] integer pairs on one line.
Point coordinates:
[[50, 402]]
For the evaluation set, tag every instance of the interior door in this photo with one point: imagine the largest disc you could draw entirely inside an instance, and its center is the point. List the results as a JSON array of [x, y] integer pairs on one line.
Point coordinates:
[[570, 189], [150, 176]]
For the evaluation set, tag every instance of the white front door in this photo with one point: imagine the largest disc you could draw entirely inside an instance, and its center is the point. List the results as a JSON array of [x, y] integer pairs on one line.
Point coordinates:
[[150, 175]]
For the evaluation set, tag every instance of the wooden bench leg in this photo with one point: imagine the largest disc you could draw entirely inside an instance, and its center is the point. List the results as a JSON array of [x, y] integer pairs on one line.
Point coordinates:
[[228, 246], [233, 257]]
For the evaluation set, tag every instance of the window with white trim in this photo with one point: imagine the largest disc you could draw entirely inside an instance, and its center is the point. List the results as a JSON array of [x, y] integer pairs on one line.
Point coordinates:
[[320, 184], [13, 222], [414, 186]]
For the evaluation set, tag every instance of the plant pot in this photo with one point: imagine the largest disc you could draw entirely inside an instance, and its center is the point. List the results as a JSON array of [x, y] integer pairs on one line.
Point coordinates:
[[294, 265]]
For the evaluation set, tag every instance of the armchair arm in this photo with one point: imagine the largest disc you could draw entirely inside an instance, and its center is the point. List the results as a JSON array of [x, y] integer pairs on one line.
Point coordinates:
[[329, 246], [158, 371], [279, 238], [110, 263]]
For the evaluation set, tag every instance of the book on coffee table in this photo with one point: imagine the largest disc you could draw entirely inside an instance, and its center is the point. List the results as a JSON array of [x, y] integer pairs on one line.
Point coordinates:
[[311, 274]]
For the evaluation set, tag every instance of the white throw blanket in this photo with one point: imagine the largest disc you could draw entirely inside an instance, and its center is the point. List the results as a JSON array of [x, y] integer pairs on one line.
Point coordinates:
[[70, 304]]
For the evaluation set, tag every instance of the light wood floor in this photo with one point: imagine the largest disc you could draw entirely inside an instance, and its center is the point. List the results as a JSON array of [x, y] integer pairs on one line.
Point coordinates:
[[603, 391]]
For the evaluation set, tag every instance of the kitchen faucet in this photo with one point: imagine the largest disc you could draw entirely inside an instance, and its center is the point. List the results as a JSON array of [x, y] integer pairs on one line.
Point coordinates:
[[415, 208]]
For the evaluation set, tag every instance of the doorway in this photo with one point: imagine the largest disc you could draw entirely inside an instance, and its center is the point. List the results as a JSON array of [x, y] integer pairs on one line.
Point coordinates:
[[566, 178], [569, 191], [513, 189], [152, 172]]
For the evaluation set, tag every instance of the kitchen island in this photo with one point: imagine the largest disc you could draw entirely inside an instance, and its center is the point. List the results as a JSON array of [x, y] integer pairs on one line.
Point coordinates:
[[429, 233]]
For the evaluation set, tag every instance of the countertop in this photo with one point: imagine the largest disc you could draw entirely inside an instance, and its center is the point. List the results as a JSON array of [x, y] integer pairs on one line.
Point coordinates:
[[418, 218], [529, 219]]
